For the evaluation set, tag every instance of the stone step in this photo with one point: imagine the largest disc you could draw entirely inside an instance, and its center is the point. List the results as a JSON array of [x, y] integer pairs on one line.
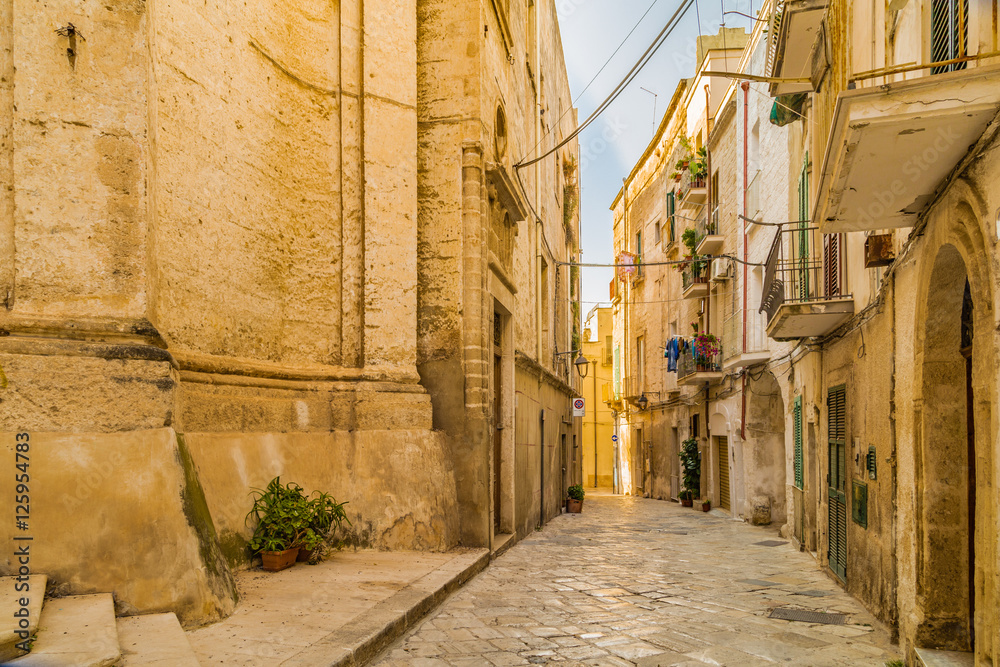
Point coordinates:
[[76, 631], [932, 658], [155, 640], [12, 593]]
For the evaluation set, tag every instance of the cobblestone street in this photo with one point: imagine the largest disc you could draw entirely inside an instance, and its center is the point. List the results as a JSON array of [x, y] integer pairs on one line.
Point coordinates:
[[646, 582]]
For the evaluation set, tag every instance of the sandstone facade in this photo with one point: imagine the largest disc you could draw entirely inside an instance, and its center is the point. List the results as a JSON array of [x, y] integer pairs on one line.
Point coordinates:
[[856, 391], [219, 233]]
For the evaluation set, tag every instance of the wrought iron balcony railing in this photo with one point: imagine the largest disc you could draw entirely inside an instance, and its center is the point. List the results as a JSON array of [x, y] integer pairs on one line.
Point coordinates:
[[690, 362]]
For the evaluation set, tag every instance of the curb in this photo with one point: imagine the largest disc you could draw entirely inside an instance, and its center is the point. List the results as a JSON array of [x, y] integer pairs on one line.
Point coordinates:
[[364, 638]]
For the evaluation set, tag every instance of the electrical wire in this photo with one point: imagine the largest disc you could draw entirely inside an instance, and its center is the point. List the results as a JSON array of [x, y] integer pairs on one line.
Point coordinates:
[[622, 85], [603, 67]]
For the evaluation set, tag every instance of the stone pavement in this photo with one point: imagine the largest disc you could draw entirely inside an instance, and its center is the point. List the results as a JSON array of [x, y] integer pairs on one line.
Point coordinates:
[[342, 611], [646, 582]]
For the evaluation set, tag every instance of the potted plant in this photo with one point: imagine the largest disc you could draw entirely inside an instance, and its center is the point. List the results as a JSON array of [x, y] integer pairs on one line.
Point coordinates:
[[699, 168], [686, 497], [574, 499], [326, 515], [706, 347], [706, 504], [691, 462], [282, 518]]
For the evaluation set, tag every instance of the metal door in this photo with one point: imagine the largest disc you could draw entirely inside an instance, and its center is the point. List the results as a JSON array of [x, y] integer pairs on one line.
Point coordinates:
[[722, 448]]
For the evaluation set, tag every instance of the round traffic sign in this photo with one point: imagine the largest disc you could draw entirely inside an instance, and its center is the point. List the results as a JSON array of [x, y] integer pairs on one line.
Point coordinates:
[[614, 438], [578, 404]]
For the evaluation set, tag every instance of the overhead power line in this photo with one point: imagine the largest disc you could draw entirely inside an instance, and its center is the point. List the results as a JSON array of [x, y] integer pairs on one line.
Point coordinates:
[[622, 85]]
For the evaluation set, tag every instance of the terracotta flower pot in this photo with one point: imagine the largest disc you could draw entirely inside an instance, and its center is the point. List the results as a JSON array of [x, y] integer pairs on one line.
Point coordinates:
[[304, 555], [574, 506], [706, 507], [276, 561], [687, 502]]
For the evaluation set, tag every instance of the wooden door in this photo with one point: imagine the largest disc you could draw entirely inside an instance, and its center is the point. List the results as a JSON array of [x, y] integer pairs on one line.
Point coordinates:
[[836, 405], [722, 450]]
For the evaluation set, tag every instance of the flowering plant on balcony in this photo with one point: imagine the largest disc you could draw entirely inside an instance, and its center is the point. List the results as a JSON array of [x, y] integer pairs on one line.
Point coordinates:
[[706, 345]]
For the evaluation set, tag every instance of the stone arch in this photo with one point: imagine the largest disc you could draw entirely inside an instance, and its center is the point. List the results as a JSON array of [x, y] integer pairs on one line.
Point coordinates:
[[764, 454], [953, 486]]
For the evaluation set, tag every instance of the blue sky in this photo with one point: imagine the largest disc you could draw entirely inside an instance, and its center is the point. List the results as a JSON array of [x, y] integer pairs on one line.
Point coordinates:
[[591, 31]]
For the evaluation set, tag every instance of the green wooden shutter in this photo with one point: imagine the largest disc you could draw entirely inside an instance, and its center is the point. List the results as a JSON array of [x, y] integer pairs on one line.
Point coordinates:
[[836, 405], [803, 250], [797, 435]]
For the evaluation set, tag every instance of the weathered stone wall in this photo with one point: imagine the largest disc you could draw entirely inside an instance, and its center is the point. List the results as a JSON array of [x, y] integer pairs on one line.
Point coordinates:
[[467, 184], [211, 232]]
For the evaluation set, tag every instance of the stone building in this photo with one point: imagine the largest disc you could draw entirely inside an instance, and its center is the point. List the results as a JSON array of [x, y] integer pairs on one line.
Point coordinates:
[[280, 239], [860, 144], [598, 422]]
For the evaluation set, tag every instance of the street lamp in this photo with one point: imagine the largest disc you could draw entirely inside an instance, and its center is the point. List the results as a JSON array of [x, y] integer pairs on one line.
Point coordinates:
[[643, 402], [581, 363]]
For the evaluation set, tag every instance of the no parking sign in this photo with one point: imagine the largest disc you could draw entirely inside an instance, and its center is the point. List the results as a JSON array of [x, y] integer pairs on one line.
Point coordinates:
[[578, 407]]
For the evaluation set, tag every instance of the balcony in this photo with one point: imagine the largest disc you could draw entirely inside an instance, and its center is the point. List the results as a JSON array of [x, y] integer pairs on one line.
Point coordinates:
[[615, 291], [893, 147], [710, 241], [694, 280], [696, 369], [802, 296], [796, 50], [609, 396], [736, 354], [694, 191]]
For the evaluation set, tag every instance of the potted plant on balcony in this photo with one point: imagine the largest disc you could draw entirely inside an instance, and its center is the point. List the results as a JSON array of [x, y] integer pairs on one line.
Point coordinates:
[[706, 347], [699, 168], [574, 499], [691, 462]]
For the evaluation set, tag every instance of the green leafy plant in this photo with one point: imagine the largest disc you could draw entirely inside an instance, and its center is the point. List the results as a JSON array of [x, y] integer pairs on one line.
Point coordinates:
[[706, 501], [895, 663], [575, 492], [285, 517], [282, 515], [685, 495], [699, 165], [691, 461]]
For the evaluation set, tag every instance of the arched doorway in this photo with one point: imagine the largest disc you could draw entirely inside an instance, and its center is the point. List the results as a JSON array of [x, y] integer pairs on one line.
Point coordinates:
[[951, 427], [764, 453]]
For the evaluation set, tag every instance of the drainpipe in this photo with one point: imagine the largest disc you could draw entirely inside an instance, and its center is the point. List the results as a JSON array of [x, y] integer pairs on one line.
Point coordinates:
[[746, 119], [541, 469]]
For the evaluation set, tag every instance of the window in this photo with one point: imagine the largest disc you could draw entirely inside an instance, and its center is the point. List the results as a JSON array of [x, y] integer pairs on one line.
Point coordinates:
[[832, 265], [802, 252], [640, 362], [797, 438], [608, 344], [618, 372], [671, 211], [657, 236], [638, 254], [949, 33]]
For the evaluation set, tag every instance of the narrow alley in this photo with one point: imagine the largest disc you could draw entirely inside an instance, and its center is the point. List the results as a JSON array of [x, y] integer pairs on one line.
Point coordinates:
[[645, 582]]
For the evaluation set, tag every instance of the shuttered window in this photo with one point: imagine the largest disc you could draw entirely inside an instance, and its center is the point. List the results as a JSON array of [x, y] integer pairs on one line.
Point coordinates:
[[836, 405], [802, 252], [797, 436], [832, 265], [949, 33], [671, 211]]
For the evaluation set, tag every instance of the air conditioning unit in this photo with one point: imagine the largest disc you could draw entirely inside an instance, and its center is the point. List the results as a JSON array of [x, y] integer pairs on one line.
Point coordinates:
[[720, 270]]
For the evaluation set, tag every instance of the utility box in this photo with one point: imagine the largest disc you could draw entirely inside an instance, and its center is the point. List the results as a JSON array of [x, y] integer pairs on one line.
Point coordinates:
[[879, 250]]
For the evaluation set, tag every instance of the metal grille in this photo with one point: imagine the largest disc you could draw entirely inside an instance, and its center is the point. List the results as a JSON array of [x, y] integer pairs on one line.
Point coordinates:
[[805, 616], [949, 33], [797, 437]]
